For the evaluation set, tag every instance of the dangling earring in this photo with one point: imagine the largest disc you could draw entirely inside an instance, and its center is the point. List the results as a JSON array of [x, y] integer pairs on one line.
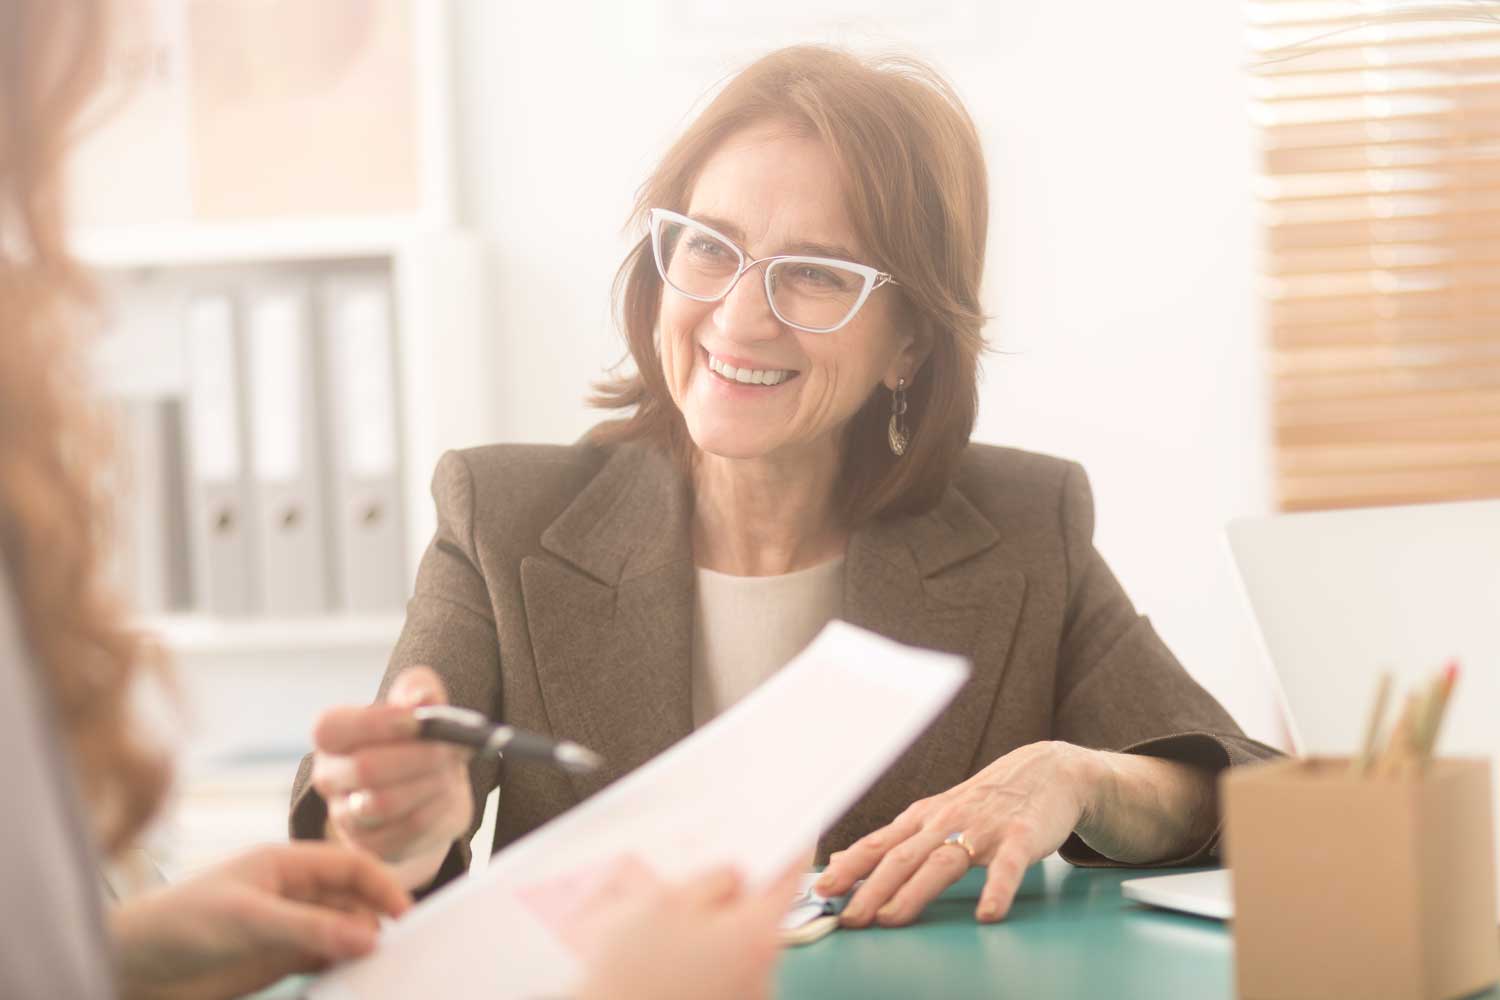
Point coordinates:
[[897, 433]]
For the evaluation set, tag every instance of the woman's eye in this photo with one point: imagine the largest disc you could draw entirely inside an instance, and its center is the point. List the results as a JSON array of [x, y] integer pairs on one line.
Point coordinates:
[[817, 277], [700, 247]]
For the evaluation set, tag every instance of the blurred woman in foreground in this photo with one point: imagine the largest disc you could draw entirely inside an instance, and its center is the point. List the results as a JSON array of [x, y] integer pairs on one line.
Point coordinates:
[[84, 779]]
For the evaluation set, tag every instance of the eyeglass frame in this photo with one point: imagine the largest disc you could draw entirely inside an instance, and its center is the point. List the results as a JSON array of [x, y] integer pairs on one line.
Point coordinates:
[[873, 278]]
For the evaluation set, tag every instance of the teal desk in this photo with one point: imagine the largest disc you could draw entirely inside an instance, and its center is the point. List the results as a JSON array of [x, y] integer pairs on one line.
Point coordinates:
[[1070, 934]]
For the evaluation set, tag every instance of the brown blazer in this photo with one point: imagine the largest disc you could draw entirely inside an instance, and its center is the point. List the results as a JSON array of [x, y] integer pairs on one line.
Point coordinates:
[[558, 595]]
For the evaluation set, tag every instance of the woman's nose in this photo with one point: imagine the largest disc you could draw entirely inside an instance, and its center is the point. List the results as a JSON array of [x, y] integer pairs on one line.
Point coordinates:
[[745, 313]]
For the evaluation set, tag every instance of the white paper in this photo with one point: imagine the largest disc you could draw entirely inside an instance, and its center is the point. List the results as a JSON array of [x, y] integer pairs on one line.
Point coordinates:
[[754, 788]]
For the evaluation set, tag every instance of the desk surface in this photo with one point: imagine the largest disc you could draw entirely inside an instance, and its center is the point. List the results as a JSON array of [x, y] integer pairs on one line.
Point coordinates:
[[1070, 934]]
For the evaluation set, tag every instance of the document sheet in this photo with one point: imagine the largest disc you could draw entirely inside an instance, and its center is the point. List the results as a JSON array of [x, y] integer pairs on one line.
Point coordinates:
[[754, 788]]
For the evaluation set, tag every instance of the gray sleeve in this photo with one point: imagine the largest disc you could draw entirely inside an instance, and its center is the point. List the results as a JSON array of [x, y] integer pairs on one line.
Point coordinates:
[[52, 939]]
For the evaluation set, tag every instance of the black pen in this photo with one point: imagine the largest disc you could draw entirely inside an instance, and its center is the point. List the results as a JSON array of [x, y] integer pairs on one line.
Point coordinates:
[[469, 728]]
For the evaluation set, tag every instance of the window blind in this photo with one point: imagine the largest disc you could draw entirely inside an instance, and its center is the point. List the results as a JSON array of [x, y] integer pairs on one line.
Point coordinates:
[[1379, 186]]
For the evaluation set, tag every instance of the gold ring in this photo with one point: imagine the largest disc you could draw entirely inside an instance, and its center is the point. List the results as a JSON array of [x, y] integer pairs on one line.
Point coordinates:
[[358, 804], [957, 839]]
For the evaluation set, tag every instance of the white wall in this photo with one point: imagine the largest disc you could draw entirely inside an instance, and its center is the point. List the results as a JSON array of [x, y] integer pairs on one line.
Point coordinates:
[[1120, 261]]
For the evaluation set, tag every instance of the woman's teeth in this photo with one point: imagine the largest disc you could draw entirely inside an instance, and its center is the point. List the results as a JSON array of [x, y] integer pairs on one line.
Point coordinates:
[[748, 376]]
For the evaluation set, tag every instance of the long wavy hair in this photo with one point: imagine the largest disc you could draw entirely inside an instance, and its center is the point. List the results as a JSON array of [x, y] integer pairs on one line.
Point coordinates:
[[55, 446]]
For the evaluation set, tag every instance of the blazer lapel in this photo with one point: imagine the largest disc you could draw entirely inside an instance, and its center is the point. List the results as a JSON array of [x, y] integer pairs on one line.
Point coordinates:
[[931, 581], [611, 616]]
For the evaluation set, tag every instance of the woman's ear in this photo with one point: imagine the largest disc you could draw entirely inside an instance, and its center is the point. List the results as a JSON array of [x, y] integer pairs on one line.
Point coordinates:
[[908, 360]]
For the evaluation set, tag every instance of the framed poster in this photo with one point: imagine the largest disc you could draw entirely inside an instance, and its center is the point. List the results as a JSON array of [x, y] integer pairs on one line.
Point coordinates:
[[232, 111]]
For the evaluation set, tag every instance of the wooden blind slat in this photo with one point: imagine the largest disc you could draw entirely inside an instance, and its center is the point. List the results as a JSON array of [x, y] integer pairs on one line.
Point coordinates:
[[1331, 492], [1388, 409], [1409, 429], [1405, 125], [1480, 53], [1364, 232], [1329, 211], [1411, 306], [1479, 284], [1340, 91], [1377, 458], [1391, 385], [1293, 194], [1293, 336], [1428, 356], [1349, 158]]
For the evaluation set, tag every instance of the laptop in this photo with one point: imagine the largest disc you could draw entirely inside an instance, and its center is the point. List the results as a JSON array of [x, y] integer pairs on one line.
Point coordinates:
[[1339, 597]]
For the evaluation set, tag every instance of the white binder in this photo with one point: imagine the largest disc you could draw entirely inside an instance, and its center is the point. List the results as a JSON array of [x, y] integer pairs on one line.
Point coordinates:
[[290, 539], [222, 570], [365, 513], [151, 541]]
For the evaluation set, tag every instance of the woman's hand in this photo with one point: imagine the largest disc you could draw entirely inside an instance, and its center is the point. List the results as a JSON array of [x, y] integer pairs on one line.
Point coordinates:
[[404, 800], [1012, 814], [250, 921], [705, 939]]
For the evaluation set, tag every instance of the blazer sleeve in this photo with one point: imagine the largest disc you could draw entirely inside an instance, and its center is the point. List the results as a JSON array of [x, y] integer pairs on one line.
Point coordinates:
[[450, 627], [1118, 685]]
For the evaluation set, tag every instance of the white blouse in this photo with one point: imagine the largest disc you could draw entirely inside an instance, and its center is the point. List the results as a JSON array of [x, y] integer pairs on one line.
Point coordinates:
[[748, 627]]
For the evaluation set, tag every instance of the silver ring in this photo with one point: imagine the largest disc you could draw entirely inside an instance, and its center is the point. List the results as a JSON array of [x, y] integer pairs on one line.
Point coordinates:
[[957, 839], [358, 805]]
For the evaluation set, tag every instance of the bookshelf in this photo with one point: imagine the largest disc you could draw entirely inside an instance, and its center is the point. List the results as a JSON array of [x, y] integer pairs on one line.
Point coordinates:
[[188, 184], [437, 296]]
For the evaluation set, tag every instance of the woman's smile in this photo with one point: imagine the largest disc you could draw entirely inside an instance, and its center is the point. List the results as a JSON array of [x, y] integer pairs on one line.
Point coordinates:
[[743, 373]]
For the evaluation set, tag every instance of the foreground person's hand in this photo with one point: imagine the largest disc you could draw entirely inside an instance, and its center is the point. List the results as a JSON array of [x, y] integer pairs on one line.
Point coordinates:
[[705, 939], [251, 921]]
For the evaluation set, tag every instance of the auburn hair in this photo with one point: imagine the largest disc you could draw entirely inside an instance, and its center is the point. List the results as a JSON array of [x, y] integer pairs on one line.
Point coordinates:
[[54, 447], [915, 186]]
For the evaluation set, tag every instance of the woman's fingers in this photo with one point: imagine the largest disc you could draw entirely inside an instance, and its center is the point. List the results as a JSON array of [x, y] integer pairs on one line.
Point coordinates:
[[1003, 878], [382, 805], [381, 766], [312, 871], [893, 871], [436, 820], [327, 934], [848, 866], [348, 728], [945, 865], [417, 686]]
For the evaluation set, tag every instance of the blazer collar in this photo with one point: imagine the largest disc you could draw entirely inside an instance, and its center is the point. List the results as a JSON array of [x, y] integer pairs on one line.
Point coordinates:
[[631, 520], [634, 518]]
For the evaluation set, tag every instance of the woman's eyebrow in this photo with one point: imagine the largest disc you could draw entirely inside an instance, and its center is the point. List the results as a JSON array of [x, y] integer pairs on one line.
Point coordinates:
[[811, 249], [801, 248], [722, 225]]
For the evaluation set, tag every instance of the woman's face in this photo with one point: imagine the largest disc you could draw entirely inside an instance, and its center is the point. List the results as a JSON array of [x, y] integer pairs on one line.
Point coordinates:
[[774, 192]]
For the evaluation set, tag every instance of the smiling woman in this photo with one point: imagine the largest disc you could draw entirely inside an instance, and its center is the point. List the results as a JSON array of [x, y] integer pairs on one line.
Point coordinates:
[[802, 309]]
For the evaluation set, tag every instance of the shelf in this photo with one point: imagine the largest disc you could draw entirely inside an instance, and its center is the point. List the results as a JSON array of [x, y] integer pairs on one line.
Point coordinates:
[[294, 239], [205, 634]]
